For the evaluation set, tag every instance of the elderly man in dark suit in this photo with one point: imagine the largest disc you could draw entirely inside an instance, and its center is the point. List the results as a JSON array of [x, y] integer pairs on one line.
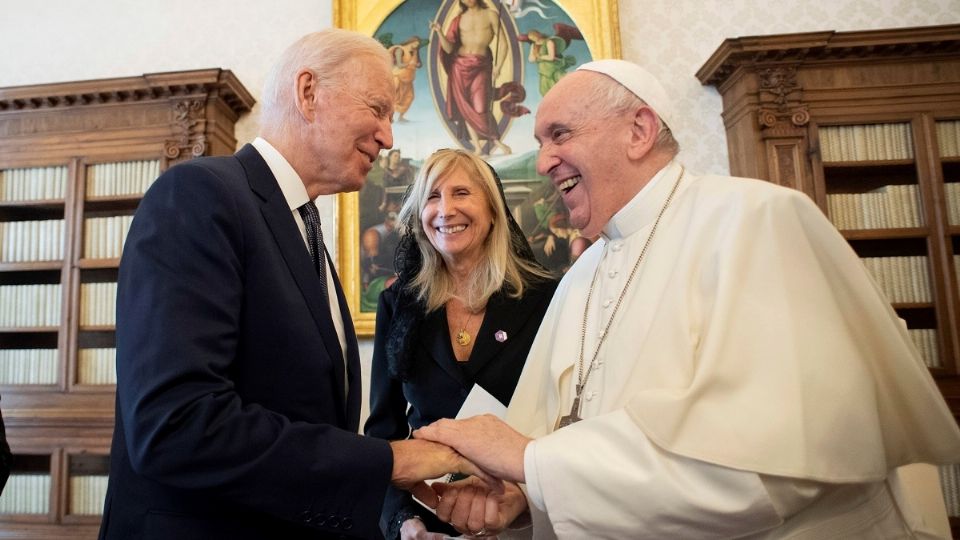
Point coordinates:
[[238, 388]]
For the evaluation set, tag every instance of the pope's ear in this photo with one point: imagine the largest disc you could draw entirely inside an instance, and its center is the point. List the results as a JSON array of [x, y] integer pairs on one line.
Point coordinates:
[[643, 132], [307, 90]]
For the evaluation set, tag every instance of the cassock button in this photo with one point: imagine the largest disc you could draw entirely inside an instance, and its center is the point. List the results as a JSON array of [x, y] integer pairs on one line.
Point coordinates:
[[616, 246], [607, 302], [612, 274]]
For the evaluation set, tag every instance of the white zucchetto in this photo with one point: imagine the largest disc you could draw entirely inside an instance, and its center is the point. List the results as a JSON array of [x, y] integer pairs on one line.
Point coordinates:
[[639, 81]]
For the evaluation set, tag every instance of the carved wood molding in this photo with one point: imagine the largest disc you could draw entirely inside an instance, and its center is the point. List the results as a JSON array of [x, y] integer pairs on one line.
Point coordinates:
[[189, 121], [149, 87], [780, 100], [755, 52]]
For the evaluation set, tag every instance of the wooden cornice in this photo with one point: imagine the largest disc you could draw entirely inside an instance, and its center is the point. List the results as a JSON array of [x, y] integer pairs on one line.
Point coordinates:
[[755, 51], [216, 82]]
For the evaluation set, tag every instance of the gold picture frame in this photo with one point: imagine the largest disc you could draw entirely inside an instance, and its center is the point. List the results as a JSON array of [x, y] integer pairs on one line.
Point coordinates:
[[597, 22]]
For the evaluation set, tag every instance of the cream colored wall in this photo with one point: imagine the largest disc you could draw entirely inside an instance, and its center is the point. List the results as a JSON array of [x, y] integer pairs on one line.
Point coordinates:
[[65, 40]]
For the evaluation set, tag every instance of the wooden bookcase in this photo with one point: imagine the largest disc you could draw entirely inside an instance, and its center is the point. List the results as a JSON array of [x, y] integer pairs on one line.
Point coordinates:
[[867, 124], [75, 159]]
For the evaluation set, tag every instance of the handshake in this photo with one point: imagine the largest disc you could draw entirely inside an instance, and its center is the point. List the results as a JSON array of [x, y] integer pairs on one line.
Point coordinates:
[[485, 448]]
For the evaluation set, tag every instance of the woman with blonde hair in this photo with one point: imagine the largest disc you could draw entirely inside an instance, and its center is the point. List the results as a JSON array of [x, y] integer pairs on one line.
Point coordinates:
[[464, 310]]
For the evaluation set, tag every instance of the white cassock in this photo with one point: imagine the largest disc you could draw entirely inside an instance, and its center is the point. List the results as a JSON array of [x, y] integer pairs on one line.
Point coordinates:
[[755, 382]]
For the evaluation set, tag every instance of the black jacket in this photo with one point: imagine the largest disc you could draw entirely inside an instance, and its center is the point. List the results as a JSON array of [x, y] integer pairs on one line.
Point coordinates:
[[436, 384]]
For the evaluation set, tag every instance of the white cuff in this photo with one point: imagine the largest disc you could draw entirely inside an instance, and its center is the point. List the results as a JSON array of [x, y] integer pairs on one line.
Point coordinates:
[[534, 494]]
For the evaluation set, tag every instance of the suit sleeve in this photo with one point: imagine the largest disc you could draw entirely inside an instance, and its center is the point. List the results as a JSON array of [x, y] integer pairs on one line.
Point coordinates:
[[179, 332], [388, 415]]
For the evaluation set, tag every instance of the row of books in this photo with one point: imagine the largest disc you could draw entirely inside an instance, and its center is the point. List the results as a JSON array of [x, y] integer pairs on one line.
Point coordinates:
[[32, 305], [925, 339], [97, 366], [125, 178], [889, 207], [904, 280], [948, 138], [950, 482], [28, 366], [869, 142], [952, 190], [103, 237], [39, 366], [26, 494], [87, 494], [28, 241], [98, 304], [33, 184]]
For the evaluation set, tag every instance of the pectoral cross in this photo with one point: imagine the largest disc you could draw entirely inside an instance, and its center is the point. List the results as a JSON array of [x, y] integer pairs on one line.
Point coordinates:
[[574, 415]]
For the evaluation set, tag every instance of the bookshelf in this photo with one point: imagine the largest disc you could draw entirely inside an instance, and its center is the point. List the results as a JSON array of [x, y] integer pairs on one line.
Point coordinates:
[[868, 125], [75, 159]]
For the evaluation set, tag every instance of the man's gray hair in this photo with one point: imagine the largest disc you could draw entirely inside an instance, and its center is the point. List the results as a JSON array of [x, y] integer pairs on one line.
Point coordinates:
[[329, 54], [614, 99]]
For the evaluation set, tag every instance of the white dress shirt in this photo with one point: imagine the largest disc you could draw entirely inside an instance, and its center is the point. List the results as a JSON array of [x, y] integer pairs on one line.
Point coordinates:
[[296, 196]]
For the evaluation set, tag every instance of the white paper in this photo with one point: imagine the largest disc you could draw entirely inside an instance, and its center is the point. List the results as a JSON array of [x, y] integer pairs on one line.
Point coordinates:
[[479, 401]]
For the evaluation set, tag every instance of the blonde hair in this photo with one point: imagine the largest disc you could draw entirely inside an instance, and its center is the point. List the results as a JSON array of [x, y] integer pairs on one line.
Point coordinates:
[[500, 265]]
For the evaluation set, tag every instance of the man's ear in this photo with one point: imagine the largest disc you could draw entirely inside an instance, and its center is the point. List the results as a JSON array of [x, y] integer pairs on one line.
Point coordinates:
[[643, 132], [307, 90]]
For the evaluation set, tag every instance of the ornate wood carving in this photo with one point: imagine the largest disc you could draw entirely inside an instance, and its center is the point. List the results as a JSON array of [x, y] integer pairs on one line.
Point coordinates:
[[781, 107], [188, 117]]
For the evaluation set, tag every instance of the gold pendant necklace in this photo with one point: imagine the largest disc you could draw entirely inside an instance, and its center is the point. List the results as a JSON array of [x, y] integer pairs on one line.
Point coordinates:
[[463, 337], [582, 377]]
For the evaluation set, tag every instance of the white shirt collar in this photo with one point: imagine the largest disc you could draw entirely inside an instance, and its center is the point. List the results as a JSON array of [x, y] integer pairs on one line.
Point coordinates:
[[644, 206], [291, 185]]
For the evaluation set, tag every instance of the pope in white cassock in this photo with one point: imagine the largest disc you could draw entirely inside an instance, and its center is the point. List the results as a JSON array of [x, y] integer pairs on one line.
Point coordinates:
[[718, 365]]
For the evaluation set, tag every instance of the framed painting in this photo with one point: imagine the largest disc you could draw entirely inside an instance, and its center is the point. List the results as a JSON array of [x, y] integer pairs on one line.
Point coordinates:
[[475, 86]]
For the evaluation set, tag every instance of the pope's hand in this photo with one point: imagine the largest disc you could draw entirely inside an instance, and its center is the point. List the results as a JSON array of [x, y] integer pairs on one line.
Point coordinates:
[[474, 510], [485, 440]]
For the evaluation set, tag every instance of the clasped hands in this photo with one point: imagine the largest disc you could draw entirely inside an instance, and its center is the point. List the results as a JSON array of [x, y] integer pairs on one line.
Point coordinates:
[[482, 446]]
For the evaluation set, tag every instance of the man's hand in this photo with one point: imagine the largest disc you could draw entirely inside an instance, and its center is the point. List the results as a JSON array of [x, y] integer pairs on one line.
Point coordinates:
[[415, 461], [474, 510], [485, 440]]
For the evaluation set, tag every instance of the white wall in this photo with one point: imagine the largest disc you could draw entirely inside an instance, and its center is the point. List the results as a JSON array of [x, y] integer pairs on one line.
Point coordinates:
[[66, 40]]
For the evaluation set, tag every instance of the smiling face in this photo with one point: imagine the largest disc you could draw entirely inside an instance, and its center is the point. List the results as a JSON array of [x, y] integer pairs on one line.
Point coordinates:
[[456, 218], [351, 125], [584, 152]]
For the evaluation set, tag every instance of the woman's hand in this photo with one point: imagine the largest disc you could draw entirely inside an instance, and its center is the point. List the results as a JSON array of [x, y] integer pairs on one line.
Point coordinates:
[[414, 529]]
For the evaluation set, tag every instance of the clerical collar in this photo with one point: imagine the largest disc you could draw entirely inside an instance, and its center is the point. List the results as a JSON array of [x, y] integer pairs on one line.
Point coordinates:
[[644, 206]]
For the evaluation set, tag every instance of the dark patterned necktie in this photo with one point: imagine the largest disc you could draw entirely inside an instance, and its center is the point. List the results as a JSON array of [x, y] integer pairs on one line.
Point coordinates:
[[311, 218]]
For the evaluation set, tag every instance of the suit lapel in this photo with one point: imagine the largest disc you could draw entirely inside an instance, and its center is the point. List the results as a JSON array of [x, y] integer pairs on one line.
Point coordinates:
[[504, 314], [276, 212], [439, 347]]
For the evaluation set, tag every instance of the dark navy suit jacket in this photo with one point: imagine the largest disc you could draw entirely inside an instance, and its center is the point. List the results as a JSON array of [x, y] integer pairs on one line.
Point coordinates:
[[231, 416]]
